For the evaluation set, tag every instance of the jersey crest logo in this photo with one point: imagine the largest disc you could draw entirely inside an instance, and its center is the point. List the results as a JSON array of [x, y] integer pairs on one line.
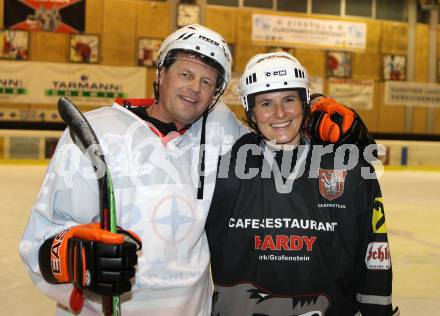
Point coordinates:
[[174, 218], [331, 183]]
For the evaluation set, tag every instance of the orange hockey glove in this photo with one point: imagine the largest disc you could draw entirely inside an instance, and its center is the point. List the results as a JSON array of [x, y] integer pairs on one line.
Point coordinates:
[[91, 258], [335, 123]]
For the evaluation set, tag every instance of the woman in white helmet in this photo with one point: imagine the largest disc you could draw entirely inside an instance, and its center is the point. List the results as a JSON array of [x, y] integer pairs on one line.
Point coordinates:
[[153, 151], [292, 229]]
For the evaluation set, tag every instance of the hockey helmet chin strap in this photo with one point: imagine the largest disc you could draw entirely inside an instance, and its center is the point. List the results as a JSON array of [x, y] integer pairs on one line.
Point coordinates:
[[202, 157], [201, 186]]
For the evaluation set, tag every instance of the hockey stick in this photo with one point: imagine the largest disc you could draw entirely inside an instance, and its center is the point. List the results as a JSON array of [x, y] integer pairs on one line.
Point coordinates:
[[85, 138]]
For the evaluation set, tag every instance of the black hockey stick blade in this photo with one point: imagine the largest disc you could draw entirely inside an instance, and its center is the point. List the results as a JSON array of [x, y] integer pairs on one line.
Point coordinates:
[[85, 138], [81, 132]]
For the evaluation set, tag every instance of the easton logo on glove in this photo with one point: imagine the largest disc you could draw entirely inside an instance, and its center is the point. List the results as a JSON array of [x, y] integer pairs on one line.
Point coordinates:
[[55, 252]]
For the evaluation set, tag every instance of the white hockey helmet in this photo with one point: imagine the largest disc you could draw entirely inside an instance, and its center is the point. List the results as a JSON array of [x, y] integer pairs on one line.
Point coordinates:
[[272, 71], [202, 41]]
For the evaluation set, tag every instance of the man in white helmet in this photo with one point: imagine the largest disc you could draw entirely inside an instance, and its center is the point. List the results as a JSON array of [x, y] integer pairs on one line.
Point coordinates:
[[292, 228], [163, 185]]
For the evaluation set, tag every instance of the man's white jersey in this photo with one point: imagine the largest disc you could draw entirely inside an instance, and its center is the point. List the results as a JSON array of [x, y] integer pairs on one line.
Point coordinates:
[[155, 181]]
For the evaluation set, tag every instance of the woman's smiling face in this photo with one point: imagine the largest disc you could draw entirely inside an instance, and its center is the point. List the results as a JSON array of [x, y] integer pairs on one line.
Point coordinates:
[[279, 116]]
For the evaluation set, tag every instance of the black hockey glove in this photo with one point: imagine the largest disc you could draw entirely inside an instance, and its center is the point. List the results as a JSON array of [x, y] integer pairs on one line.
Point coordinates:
[[91, 258], [335, 123]]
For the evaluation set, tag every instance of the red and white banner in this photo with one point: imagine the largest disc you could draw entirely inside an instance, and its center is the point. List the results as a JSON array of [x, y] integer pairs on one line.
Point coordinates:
[[65, 16]]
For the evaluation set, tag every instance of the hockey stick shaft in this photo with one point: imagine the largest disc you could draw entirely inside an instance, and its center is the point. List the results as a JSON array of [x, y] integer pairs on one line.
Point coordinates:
[[85, 138]]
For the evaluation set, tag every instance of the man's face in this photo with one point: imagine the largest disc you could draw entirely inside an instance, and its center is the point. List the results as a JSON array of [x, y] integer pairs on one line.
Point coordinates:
[[279, 116], [186, 90]]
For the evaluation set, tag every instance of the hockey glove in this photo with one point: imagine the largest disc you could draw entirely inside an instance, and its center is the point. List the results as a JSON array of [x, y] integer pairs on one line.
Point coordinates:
[[91, 258], [335, 123]]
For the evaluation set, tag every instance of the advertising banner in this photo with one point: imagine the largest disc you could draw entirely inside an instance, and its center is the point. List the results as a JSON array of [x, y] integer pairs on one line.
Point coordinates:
[[355, 93], [231, 97], [316, 85], [412, 93], [96, 85], [299, 32]]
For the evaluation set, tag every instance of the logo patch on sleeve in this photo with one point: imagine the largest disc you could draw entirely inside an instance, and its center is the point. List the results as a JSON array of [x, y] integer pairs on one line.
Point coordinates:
[[378, 256], [378, 218], [331, 183]]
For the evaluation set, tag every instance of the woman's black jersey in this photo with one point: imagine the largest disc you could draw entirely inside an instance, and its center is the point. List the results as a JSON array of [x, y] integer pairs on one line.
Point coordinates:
[[312, 244]]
